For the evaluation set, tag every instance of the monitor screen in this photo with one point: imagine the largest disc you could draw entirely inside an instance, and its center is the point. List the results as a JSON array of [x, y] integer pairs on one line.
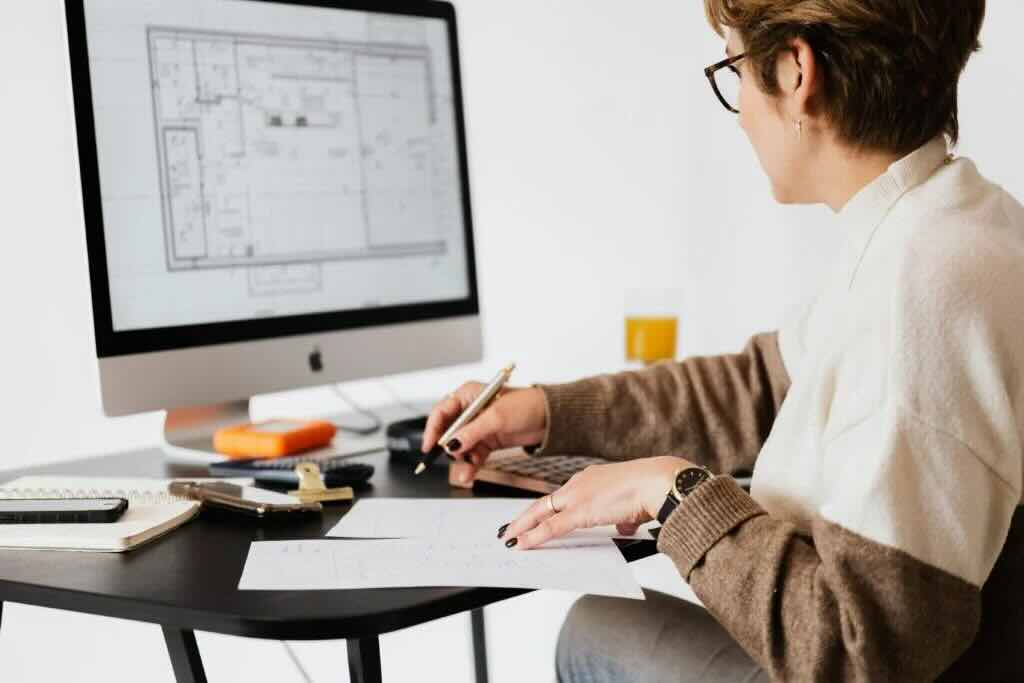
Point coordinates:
[[266, 161]]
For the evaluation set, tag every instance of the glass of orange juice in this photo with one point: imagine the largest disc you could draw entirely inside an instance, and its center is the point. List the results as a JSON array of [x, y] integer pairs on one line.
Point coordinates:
[[652, 323]]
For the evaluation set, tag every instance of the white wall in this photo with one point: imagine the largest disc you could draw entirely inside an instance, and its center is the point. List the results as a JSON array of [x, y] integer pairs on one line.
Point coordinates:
[[600, 161]]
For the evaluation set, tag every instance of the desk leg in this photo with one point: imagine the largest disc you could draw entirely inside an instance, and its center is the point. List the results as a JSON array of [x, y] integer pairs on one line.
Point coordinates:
[[185, 660], [476, 620], [364, 660]]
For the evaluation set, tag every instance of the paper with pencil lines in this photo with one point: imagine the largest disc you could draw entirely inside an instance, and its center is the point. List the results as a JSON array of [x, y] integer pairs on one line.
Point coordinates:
[[595, 567], [470, 519]]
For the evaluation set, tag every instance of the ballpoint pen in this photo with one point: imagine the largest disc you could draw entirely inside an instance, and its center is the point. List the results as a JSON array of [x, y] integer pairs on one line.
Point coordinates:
[[468, 415]]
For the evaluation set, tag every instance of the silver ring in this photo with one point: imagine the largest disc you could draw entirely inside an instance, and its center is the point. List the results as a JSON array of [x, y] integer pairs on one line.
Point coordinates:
[[551, 503]]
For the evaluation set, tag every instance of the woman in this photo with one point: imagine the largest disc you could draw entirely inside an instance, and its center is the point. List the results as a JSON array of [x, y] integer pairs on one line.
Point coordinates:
[[880, 540]]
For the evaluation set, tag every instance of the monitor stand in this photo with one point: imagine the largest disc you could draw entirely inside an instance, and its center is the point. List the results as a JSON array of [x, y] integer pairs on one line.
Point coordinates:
[[188, 432]]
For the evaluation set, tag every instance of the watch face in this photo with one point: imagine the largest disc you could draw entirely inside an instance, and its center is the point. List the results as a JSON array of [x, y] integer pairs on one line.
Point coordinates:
[[690, 478]]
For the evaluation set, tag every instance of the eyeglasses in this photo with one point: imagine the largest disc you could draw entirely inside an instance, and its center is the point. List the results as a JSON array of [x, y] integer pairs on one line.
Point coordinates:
[[725, 81]]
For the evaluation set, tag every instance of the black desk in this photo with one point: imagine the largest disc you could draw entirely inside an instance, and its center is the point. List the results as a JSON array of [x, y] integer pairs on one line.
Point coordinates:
[[188, 580]]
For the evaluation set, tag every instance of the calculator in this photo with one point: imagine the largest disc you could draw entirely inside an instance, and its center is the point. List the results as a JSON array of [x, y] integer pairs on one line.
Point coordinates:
[[546, 473], [337, 470], [542, 474]]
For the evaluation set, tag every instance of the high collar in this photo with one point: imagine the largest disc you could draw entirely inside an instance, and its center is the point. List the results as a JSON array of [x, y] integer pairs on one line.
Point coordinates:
[[866, 211]]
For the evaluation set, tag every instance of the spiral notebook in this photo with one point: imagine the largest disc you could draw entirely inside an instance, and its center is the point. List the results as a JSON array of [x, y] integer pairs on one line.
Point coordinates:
[[152, 512]]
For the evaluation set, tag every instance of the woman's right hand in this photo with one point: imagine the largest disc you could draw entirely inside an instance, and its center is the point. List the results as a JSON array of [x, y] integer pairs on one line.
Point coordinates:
[[517, 417]]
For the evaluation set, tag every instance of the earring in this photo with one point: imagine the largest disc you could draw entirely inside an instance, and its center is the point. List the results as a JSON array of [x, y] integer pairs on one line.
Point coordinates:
[[799, 129]]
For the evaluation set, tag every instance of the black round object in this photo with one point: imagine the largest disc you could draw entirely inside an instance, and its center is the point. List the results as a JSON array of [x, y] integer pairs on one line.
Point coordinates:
[[354, 474], [404, 439]]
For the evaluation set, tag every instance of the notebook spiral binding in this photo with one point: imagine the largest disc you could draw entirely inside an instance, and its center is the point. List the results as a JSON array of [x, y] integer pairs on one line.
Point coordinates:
[[134, 496]]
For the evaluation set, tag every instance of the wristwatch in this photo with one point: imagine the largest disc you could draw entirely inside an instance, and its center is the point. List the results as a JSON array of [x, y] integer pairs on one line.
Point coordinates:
[[686, 480]]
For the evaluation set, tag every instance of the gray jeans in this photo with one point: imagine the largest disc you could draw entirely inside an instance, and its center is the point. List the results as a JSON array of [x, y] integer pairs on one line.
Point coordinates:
[[659, 639]]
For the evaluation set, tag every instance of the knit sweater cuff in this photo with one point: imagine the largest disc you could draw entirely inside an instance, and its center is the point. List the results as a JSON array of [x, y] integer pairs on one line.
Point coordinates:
[[575, 417], [702, 519]]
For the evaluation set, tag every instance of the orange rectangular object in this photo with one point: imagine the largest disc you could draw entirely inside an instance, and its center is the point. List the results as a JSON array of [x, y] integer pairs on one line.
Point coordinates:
[[272, 438]]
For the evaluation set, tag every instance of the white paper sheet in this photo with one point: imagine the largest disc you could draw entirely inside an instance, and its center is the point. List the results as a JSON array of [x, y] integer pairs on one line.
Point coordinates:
[[472, 519], [596, 567]]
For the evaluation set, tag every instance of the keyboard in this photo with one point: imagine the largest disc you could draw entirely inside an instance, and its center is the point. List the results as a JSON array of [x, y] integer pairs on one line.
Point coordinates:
[[337, 470]]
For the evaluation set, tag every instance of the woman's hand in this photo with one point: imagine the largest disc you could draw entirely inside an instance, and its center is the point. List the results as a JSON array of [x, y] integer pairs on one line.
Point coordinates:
[[517, 417], [625, 494]]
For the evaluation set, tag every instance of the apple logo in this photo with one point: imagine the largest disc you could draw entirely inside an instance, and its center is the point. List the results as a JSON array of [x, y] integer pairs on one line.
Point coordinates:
[[316, 361]]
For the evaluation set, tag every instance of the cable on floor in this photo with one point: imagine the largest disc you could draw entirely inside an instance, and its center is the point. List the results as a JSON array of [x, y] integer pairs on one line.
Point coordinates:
[[295, 660], [376, 424]]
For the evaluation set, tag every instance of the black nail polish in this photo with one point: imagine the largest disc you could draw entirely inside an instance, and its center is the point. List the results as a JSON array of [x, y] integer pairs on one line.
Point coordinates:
[[502, 529], [454, 445], [511, 543]]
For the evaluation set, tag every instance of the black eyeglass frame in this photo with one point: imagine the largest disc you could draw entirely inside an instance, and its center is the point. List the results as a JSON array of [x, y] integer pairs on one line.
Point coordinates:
[[714, 68]]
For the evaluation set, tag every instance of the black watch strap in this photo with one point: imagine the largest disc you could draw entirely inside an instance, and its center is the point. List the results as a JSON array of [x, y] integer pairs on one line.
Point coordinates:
[[667, 508]]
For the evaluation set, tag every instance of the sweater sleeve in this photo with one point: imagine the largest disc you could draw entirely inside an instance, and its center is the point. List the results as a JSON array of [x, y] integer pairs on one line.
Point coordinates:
[[832, 606], [714, 410], [884, 584]]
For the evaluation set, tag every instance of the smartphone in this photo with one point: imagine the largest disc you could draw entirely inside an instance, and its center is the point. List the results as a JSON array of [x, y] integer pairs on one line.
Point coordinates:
[[61, 510]]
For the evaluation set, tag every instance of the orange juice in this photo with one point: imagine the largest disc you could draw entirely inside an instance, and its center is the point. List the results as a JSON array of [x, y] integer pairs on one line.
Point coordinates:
[[650, 339]]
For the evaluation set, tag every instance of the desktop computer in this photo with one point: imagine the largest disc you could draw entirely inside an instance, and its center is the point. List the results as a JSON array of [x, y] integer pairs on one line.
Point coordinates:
[[275, 195]]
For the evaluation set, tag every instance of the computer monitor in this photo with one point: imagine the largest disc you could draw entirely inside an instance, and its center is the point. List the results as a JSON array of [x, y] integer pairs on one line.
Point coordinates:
[[275, 195]]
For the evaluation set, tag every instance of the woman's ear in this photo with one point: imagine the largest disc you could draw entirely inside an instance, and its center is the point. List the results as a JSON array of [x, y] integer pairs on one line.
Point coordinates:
[[798, 78]]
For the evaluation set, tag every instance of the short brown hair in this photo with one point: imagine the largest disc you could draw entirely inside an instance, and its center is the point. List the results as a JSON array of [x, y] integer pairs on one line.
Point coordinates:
[[891, 67]]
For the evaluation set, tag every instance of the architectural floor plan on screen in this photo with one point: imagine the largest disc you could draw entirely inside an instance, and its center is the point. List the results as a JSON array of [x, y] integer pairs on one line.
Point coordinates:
[[287, 153]]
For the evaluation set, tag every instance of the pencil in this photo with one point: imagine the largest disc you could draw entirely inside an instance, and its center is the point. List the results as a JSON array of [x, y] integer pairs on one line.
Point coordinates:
[[478, 405]]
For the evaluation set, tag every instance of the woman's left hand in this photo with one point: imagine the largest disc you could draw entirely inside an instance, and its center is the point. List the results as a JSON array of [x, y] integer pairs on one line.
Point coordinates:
[[625, 494]]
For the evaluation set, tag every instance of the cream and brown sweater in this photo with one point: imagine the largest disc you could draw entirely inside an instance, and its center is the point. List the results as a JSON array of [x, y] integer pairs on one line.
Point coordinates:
[[882, 539]]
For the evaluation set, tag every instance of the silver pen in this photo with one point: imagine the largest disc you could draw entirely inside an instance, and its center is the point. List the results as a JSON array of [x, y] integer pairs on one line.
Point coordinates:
[[478, 405]]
